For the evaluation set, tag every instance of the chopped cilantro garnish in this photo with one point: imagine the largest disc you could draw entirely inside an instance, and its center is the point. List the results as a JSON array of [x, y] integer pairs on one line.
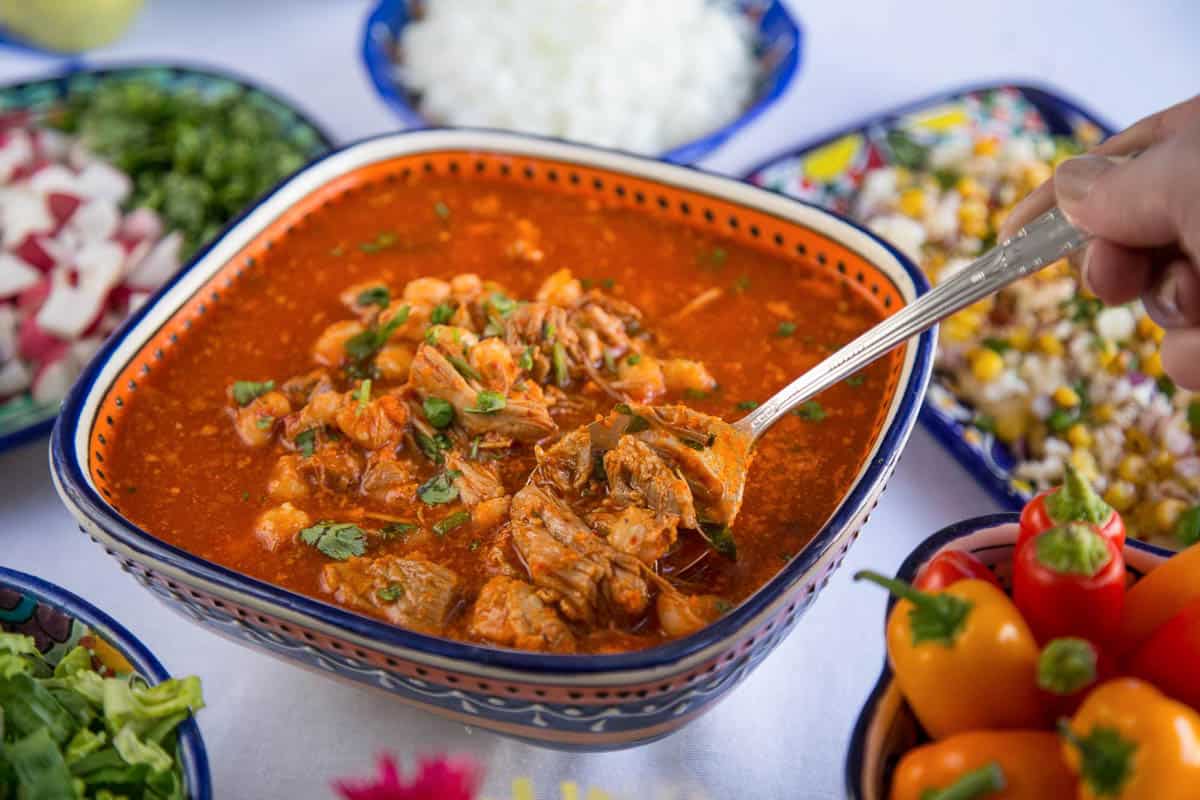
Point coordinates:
[[905, 150], [548, 332], [375, 296], [1166, 386], [439, 489], [439, 412], [338, 250], [946, 178], [390, 593], [383, 240], [856, 380], [306, 441], [558, 357], [474, 454], [713, 259], [1193, 415], [984, 423], [362, 395], [637, 423], [747, 405], [441, 314], [811, 411], [433, 446], [1060, 419], [785, 329], [695, 394], [464, 369], [442, 210], [455, 520], [1083, 309], [474, 545], [633, 359], [501, 303], [487, 402], [998, 345], [720, 538], [338, 540], [245, 496], [245, 392], [396, 530], [361, 347], [264, 423], [607, 283], [1187, 527], [525, 362], [741, 284]]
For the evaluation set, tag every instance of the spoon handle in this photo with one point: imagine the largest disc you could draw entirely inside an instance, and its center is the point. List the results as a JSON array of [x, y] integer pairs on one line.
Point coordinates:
[[1040, 243]]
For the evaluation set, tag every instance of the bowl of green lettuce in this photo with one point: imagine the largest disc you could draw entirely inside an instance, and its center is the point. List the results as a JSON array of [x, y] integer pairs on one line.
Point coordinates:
[[86, 711]]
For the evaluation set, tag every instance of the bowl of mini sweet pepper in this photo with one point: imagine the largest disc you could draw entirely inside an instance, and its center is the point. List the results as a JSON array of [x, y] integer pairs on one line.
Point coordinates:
[[1039, 655]]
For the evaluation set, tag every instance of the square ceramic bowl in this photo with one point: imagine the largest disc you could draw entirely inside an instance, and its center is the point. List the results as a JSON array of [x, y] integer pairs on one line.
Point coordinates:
[[779, 50], [589, 701], [886, 727], [57, 620]]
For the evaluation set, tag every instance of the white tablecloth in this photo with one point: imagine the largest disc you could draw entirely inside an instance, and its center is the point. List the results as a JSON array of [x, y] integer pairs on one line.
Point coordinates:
[[276, 731]]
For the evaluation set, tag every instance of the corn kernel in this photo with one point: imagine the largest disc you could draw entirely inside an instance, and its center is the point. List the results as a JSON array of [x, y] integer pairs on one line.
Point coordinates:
[[1163, 463], [903, 176], [1133, 469], [1025, 487], [1079, 436], [986, 364], [968, 187], [975, 229], [1034, 174], [998, 217], [1019, 338], [1066, 397], [1121, 495], [988, 146], [1152, 365], [1137, 441], [1050, 345], [957, 330], [1012, 425], [912, 202], [972, 211], [1146, 327], [1166, 513], [1085, 462], [1103, 412]]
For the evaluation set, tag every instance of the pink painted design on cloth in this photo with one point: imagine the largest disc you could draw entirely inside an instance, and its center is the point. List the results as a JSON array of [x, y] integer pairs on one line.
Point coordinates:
[[437, 778]]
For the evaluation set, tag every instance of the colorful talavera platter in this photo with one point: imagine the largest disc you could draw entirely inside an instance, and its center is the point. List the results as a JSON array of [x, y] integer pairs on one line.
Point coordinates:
[[831, 172]]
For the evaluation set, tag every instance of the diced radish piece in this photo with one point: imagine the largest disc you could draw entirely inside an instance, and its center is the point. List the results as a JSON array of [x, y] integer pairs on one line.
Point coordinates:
[[81, 351], [99, 180], [23, 212], [14, 377], [38, 251], [35, 343], [52, 144], [62, 205], [118, 298], [53, 380], [136, 251], [137, 300], [71, 310], [16, 150], [8, 333], [96, 220], [29, 169], [16, 276], [159, 264], [79, 156], [32, 298], [53, 178], [141, 223]]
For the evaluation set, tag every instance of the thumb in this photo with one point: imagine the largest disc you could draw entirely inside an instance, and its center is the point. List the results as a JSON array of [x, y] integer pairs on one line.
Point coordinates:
[[1126, 201]]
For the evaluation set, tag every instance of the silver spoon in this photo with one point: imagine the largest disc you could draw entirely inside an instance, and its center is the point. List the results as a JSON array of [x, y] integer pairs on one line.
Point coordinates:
[[1043, 241]]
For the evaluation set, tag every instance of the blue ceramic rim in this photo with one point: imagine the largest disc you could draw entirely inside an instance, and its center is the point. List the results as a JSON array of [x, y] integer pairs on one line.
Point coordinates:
[[378, 68], [76, 68], [908, 572], [194, 757], [71, 480], [931, 419]]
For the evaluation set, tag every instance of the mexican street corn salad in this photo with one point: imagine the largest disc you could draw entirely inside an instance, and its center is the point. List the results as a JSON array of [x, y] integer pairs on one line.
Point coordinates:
[[1048, 369]]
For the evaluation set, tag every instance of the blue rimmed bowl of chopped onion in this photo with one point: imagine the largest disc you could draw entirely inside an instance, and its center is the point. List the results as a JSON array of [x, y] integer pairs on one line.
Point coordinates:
[[84, 701], [674, 80]]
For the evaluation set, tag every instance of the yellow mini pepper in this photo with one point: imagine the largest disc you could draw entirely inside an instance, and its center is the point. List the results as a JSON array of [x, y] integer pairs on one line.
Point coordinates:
[[1129, 741], [964, 657]]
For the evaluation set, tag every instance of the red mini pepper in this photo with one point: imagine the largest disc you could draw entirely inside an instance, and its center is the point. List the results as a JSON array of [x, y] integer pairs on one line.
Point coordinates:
[[1070, 581], [1074, 501], [1170, 658], [951, 566]]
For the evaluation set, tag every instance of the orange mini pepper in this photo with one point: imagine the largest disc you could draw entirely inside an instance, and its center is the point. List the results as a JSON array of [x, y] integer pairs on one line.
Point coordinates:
[[997, 765], [1129, 741], [963, 656], [1160, 595]]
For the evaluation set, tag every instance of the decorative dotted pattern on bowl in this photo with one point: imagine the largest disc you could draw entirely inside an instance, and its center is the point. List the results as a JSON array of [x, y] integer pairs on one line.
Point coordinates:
[[578, 702]]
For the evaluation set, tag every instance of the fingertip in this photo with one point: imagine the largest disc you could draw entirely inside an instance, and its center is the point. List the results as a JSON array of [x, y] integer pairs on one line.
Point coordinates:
[[1116, 274], [1036, 203], [1181, 357]]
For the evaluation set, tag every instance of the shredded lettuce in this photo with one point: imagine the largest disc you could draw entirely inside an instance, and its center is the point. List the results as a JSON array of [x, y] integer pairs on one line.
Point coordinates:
[[68, 732]]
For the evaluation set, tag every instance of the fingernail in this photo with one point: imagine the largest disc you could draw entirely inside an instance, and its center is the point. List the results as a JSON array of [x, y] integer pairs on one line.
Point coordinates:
[[1074, 178], [1166, 300]]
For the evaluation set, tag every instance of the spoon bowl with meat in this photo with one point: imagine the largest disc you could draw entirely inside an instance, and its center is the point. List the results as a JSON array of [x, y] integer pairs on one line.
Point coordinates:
[[365, 431]]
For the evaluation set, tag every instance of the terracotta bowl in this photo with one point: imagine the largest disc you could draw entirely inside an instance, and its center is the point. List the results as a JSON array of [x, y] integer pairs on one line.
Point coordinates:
[[57, 620], [589, 702], [886, 727]]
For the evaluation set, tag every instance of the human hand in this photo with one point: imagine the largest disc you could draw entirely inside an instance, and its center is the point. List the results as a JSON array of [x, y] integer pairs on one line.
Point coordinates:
[[1145, 216]]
